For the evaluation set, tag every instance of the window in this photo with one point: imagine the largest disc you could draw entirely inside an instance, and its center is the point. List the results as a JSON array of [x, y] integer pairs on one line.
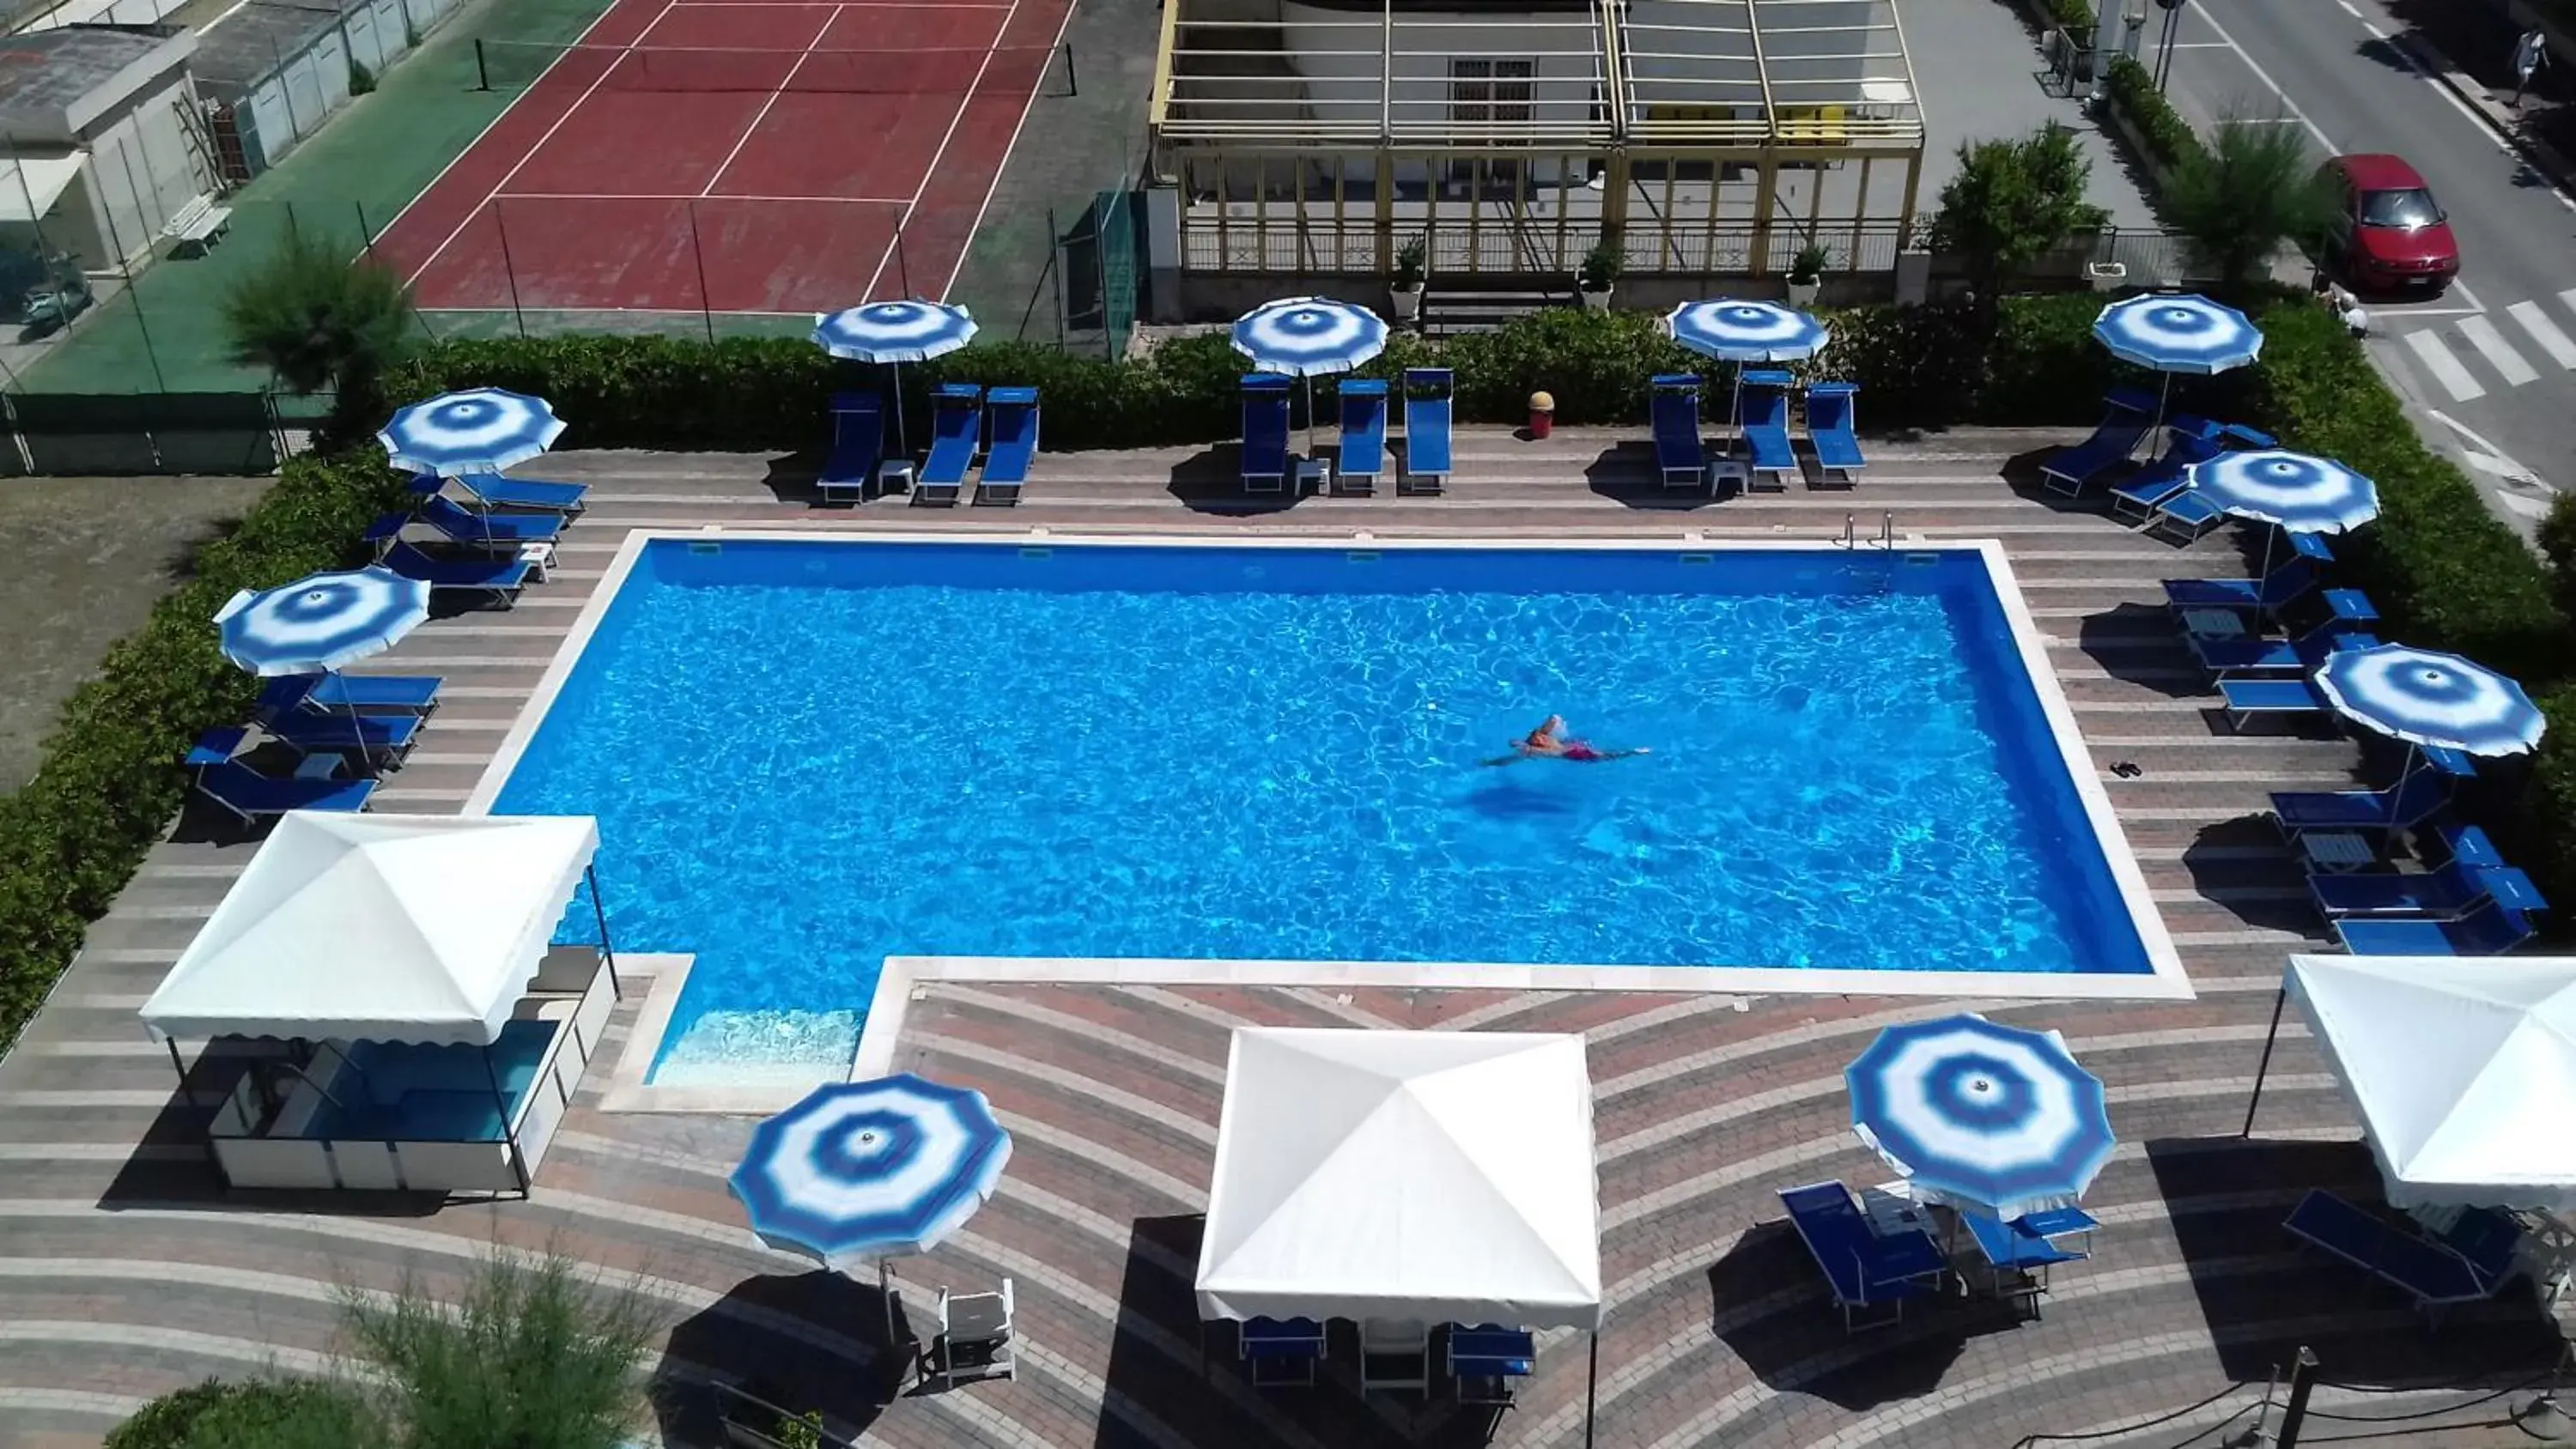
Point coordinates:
[[1487, 92], [2412, 209]]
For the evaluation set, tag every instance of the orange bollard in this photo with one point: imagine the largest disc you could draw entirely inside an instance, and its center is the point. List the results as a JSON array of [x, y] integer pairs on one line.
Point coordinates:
[[1542, 415]]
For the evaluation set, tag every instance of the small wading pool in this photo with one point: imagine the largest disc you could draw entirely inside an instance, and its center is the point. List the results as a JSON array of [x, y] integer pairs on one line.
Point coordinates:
[[808, 755]]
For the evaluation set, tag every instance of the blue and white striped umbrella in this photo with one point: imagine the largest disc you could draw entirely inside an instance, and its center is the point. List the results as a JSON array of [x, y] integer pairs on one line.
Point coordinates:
[[2293, 490], [1733, 331], [894, 331], [2431, 699], [1990, 1119], [866, 1170], [482, 430], [320, 621], [1309, 336], [2178, 333]]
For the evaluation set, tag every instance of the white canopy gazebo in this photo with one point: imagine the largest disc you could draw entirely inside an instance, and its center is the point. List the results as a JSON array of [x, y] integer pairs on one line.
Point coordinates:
[[415, 931], [1404, 1177], [2463, 1070]]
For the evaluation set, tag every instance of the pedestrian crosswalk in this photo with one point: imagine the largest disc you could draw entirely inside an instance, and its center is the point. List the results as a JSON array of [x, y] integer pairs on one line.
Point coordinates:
[[2447, 351]]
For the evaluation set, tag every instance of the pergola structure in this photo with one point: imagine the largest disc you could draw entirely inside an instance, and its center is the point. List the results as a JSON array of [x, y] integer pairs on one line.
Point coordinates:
[[1509, 136]]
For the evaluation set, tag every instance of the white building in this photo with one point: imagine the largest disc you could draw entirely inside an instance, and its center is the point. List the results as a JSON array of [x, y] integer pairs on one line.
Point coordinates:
[[103, 141]]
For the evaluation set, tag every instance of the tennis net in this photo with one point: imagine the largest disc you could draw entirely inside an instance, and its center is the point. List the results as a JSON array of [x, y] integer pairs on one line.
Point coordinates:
[[516, 64]]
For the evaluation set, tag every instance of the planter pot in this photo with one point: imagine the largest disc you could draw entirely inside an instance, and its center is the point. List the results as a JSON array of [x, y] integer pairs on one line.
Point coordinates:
[[2106, 276], [1802, 295], [1596, 301], [1408, 302]]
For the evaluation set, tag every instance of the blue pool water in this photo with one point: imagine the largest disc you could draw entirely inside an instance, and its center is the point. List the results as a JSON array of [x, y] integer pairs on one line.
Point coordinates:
[[808, 756]]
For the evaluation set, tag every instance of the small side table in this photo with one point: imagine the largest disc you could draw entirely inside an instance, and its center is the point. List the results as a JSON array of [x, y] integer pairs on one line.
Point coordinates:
[[319, 765], [894, 475], [2337, 852], [1726, 473], [540, 559], [1314, 475]]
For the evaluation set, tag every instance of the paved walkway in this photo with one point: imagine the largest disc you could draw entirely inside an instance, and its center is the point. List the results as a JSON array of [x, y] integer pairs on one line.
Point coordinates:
[[123, 1274]]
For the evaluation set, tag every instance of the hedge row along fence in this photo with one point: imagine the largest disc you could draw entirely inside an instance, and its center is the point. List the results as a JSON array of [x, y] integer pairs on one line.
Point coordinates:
[[110, 781], [2445, 571]]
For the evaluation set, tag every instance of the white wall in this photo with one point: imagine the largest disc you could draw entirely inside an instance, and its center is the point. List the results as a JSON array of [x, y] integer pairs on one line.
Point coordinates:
[[142, 169]]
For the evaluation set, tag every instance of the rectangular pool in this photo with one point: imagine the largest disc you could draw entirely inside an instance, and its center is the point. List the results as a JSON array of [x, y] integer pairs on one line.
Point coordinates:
[[807, 755]]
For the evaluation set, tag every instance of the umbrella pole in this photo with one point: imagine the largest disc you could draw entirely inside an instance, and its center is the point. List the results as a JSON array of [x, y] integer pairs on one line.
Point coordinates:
[[2412, 752], [902, 447], [885, 1292], [2279, 999], [1592, 1389], [2164, 399]]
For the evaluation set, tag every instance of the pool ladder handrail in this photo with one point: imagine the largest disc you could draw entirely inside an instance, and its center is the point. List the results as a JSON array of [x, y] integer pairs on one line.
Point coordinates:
[[1886, 531]]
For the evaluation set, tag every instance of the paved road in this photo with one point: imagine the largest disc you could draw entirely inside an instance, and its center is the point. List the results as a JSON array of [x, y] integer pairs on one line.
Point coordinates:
[[2493, 360]]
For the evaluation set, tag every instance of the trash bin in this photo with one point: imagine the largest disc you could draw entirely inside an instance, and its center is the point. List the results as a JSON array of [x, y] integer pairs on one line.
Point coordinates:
[[1542, 415]]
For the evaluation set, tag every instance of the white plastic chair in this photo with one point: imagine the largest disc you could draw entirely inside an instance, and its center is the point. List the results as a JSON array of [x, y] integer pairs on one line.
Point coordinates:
[[973, 1338], [1395, 1353]]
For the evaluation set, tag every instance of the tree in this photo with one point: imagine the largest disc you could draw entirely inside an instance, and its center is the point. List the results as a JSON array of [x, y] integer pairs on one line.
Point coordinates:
[[529, 1357], [2011, 203], [2239, 198], [316, 321]]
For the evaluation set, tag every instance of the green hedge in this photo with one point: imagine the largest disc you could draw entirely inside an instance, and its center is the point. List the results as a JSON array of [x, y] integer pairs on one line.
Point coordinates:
[[1917, 367], [252, 1414], [72, 836], [2170, 139]]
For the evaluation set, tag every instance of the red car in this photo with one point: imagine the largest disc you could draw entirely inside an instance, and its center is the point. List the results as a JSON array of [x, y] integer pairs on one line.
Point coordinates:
[[2388, 230]]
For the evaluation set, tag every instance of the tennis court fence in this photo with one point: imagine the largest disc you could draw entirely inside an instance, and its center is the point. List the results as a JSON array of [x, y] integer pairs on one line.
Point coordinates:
[[1046, 70]]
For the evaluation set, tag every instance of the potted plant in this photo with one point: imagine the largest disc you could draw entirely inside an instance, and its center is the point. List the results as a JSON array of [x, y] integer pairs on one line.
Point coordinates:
[[1407, 287], [1600, 271], [1806, 276]]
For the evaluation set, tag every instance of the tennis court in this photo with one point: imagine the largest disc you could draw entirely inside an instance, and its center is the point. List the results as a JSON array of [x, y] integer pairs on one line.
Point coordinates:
[[738, 156]]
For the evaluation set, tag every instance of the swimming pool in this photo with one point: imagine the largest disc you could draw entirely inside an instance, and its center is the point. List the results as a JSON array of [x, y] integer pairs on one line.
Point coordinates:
[[808, 755]]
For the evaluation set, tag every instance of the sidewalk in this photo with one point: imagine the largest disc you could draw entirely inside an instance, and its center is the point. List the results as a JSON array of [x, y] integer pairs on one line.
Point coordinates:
[[2467, 45]]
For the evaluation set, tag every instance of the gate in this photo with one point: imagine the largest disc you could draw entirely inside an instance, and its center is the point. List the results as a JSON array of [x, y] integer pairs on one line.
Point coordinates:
[[1113, 223]]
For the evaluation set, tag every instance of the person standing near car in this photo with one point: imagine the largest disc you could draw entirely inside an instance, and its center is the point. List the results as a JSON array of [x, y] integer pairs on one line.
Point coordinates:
[[2529, 54]]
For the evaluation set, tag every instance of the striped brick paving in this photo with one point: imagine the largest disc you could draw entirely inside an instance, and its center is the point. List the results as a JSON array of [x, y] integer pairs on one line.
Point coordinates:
[[124, 1273]]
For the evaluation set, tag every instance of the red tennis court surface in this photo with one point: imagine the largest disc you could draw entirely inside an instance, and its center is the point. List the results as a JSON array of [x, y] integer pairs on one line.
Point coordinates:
[[750, 159]]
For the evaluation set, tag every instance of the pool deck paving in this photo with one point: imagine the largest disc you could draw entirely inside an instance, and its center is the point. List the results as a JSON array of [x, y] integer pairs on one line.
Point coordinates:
[[125, 1272]]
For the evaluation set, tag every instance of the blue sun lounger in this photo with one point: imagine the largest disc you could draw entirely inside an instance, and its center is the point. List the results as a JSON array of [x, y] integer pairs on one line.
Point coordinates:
[[956, 436], [1362, 458], [1265, 432], [342, 694], [1013, 412], [489, 530], [535, 495], [376, 738], [1281, 1352], [2126, 417], [1674, 415], [1426, 430], [1830, 429], [2223, 657], [1862, 1269], [2185, 513], [499, 579], [252, 797], [2403, 806], [2488, 930], [2264, 595], [1766, 424], [2434, 1275], [858, 448], [2188, 440], [2453, 891]]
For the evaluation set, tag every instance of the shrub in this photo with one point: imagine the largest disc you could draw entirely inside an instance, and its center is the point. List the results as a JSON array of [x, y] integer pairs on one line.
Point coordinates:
[[529, 1358], [110, 779], [2169, 138], [2251, 189], [2558, 545], [257, 1414], [2012, 203], [313, 320]]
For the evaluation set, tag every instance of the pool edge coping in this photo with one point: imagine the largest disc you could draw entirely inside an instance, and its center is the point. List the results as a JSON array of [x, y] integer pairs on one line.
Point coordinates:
[[2166, 979]]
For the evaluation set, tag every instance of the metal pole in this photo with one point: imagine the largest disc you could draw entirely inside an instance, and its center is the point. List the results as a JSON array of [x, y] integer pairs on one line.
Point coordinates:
[[2280, 998], [1073, 87], [1055, 274], [599, 911], [698, 253], [482, 70], [508, 270], [509, 1134], [902, 267], [885, 1292], [1592, 1390], [2294, 1415]]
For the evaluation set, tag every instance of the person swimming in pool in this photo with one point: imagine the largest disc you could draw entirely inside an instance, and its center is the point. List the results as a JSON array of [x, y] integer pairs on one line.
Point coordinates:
[[1548, 742]]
